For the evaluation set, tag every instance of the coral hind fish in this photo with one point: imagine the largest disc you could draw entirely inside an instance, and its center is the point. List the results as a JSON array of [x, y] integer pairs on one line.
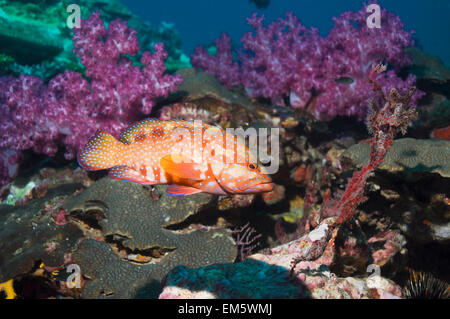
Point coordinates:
[[189, 156]]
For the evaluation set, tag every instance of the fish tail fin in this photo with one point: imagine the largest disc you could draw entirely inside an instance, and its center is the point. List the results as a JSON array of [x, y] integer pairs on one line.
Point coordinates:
[[101, 152]]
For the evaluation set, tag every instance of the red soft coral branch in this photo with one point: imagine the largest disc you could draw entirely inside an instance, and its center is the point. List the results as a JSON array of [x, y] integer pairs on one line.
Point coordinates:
[[383, 123]]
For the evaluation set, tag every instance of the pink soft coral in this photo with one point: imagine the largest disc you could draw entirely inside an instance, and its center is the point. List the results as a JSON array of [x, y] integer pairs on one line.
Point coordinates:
[[70, 108], [352, 48], [289, 63], [280, 58], [221, 65]]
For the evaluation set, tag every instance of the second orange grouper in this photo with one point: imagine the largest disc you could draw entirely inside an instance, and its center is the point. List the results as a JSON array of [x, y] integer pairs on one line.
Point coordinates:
[[191, 157]]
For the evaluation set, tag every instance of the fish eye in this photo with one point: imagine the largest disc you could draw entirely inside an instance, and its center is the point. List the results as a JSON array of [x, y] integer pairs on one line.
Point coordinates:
[[252, 166]]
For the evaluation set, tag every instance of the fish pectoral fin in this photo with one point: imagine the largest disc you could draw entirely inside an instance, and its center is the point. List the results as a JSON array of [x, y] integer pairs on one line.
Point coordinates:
[[182, 167], [128, 174], [182, 190]]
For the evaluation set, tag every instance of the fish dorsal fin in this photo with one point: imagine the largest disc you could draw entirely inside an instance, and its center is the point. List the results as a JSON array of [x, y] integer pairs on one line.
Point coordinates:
[[141, 130], [182, 190], [181, 167]]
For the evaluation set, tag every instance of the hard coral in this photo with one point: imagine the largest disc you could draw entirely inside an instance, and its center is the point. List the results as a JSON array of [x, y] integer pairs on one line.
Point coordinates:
[[67, 111], [407, 156], [132, 242], [27, 230], [267, 276]]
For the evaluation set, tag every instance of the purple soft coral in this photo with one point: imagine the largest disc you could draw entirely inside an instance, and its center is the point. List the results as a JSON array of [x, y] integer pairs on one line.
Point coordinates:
[[280, 58], [351, 49], [70, 108], [117, 86], [221, 65], [285, 61]]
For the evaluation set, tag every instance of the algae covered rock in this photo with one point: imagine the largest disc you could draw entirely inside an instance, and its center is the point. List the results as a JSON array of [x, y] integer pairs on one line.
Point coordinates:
[[133, 240], [29, 234]]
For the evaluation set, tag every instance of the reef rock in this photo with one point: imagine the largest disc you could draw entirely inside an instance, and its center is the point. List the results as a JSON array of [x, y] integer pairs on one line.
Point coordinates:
[[269, 275], [421, 213], [408, 155], [29, 234]]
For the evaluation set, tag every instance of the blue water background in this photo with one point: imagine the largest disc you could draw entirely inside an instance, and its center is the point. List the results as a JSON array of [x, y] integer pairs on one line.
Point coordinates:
[[199, 22]]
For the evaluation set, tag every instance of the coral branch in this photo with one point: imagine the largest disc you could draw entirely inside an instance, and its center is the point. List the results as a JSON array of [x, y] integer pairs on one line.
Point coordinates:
[[383, 123], [246, 240]]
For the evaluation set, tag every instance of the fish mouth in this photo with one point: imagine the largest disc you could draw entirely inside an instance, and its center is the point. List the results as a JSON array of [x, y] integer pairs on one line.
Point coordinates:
[[260, 188]]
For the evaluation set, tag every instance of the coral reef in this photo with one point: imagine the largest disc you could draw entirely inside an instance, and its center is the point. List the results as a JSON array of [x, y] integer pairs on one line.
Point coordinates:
[[26, 230], [407, 155], [353, 212], [132, 236], [407, 165], [383, 123], [273, 280], [123, 247]]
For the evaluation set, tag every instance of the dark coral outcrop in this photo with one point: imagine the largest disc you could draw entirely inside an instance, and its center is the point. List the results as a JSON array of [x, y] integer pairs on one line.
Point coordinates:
[[134, 241]]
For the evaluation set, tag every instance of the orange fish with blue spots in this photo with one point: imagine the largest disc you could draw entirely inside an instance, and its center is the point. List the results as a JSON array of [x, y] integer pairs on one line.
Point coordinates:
[[191, 156]]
